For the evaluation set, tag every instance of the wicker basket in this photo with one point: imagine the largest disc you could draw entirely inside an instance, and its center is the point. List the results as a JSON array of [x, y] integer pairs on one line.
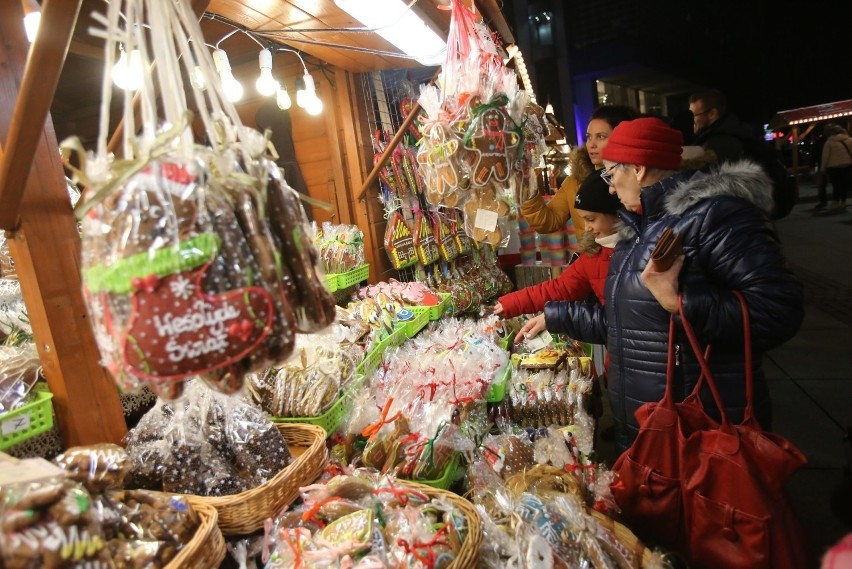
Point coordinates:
[[563, 481], [468, 556], [245, 512], [206, 550]]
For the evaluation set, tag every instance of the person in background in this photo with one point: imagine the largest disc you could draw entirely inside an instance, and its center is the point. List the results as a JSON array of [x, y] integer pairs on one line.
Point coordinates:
[[730, 245], [837, 163], [820, 178], [583, 277], [715, 128], [549, 217]]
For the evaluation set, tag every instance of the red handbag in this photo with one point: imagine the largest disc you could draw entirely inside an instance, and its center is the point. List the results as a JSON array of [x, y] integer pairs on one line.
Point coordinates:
[[708, 490], [736, 512]]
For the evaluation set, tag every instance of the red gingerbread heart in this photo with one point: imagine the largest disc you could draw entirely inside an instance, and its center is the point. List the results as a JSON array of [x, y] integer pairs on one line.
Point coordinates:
[[176, 330]]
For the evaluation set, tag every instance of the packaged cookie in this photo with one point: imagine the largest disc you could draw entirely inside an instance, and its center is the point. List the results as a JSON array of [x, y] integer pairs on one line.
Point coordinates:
[[98, 467], [313, 305], [172, 283]]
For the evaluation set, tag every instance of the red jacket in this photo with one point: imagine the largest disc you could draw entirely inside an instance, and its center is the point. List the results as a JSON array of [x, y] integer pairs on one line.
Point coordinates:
[[585, 275]]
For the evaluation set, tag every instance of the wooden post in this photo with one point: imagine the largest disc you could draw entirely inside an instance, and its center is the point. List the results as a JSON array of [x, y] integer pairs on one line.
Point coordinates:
[[45, 243]]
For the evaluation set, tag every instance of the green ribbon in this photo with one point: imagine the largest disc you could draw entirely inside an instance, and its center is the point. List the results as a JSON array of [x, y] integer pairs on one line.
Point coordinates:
[[118, 277]]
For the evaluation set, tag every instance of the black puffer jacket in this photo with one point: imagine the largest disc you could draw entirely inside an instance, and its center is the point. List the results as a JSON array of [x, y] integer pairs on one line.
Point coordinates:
[[729, 245]]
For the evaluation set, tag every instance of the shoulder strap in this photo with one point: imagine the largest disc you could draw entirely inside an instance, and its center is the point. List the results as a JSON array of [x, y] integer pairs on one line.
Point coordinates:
[[843, 143]]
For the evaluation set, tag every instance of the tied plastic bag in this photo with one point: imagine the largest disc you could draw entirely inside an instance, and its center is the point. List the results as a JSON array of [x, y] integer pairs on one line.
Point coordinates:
[[20, 369], [172, 284]]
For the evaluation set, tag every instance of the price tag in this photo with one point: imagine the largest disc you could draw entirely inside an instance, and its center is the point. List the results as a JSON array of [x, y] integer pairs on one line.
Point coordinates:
[[485, 219], [539, 342], [15, 424]]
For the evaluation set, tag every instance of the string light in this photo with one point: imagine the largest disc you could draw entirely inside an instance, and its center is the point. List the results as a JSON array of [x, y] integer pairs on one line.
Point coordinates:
[[127, 71], [266, 84], [283, 98], [233, 89], [32, 19]]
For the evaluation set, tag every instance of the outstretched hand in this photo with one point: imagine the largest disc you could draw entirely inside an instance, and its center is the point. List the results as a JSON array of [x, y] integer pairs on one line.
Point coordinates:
[[531, 329], [497, 309], [664, 284]]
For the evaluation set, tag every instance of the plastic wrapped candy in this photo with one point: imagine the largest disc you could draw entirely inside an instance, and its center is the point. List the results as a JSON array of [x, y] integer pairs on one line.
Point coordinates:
[[312, 304], [172, 284], [97, 467], [308, 382], [20, 369]]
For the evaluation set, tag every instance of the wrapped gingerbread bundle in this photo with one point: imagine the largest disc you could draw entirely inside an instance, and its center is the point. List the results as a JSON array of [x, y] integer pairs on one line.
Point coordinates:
[[318, 372], [341, 247], [205, 444], [88, 520], [362, 519], [196, 260], [473, 140]]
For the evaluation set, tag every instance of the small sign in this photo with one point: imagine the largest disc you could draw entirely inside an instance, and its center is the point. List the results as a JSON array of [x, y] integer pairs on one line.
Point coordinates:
[[485, 219], [16, 424]]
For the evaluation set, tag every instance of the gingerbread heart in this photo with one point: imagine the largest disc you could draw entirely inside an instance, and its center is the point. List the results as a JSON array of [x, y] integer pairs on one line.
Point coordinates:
[[176, 330]]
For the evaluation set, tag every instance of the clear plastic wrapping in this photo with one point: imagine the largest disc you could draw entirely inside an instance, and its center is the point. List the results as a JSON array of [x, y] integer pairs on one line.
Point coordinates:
[[205, 444]]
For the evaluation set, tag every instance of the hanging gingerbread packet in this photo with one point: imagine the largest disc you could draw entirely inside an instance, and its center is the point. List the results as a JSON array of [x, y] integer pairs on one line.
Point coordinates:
[[399, 242], [424, 240], [179, 272], [444, 237]]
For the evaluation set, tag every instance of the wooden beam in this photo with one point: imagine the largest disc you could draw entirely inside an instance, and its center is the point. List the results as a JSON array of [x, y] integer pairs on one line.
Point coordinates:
[[45, 243], [37, 87]]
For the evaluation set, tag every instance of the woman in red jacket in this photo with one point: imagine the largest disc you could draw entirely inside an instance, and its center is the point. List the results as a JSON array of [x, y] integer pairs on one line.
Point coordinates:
[[584, 276]]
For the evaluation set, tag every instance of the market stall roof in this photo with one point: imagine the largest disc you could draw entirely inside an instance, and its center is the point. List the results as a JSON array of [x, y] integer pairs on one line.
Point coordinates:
[[816, 112]]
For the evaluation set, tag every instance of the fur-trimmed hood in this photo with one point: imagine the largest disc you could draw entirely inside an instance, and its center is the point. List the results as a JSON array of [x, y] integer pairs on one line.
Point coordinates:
[[741, 179]]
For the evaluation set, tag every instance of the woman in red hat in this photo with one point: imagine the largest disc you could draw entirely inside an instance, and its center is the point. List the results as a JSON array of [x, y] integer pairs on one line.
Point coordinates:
[[729, 245]]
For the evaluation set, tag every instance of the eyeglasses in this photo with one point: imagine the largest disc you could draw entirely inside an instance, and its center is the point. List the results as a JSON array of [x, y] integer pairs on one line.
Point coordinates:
[[606, 173], [701, 113]]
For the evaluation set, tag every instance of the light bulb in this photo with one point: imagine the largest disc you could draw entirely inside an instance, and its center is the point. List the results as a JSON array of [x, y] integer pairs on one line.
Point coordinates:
[[127, 72], [266, 84], [31, 22], [232, 88], [283, 98], [307, 91], [313, 105], [197, 78]]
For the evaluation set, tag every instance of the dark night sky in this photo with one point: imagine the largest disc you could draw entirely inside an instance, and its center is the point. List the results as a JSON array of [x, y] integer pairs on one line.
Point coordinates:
[[770, 56], [766, 55]]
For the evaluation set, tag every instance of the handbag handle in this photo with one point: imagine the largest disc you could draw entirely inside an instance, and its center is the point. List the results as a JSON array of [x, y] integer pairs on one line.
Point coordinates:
[[705, 370]]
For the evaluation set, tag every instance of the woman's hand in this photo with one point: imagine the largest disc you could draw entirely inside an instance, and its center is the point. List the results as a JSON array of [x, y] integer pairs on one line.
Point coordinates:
[[531, 329], [497, 309], [664, 284]]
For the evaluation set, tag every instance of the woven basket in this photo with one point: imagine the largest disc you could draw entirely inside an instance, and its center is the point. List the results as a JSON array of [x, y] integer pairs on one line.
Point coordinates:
[[245, 512], [468, 555], [206, 550], [562, 481]]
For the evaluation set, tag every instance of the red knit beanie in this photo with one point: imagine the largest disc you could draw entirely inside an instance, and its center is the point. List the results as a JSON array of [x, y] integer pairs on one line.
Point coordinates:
[[645, 142]]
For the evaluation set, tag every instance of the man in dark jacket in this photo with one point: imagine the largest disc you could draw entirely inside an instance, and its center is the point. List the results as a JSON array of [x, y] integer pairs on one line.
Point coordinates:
[[715, 128], [729, 244]]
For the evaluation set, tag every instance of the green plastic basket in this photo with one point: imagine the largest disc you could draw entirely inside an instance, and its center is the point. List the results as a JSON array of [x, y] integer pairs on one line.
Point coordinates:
[[331, 420], [413, 326], [331, 283], [26, 422], [447, 476], [372, 360], [350, 278], [497, 389]]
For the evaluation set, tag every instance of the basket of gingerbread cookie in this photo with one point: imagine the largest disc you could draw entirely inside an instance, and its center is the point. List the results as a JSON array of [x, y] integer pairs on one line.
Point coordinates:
[[385, 521], [225, 453], [78, 514]]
